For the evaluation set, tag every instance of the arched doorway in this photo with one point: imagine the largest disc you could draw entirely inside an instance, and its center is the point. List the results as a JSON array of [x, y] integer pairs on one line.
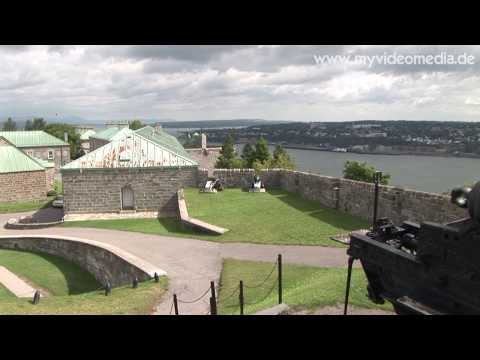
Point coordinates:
[[128, 200]]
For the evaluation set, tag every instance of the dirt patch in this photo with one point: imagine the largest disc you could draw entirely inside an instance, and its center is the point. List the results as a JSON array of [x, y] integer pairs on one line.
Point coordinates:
[[338, 310]]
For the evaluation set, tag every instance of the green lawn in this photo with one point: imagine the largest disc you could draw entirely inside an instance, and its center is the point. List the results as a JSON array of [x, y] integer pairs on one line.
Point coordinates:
[[275, 217], [122, 301], [304, 287], [72, 290], [57, 275], [4, 293], [6, 208]]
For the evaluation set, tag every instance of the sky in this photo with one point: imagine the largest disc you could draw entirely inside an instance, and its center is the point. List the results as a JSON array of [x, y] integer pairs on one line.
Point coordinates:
[[210, 82]]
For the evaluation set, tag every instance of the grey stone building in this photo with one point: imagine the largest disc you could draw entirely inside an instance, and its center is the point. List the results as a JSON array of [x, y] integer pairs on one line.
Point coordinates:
[[40, 145], [205, 156], [22, 178], [112, 132], [139, 171]]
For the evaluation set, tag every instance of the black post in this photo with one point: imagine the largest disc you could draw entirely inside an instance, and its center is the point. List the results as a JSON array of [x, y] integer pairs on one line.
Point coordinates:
[[347, 290], [108, 288], [156, 277], [377, 177], [280, 289], [175, 303], [36, 297], [240, 296], [212, 290], [213, 299], [213, 306]]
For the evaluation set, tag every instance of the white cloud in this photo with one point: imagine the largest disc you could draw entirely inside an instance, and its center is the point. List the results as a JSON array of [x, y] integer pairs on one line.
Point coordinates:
[[212, 82]]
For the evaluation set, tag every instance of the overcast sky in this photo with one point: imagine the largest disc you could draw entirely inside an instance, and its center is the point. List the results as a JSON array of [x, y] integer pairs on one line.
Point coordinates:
[[225, 82]]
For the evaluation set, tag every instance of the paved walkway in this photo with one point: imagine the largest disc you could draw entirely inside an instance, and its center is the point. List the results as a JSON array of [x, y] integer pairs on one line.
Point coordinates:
[[15, 285], [190, 263]]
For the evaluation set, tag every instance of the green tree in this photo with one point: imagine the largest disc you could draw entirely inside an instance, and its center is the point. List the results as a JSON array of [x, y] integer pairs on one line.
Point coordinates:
[[355, 170], [261, 151], [35, 124], [228, 158], [28, 125], [58, 130], [9, 125], [135, 124], [248, 156], [281, 159]]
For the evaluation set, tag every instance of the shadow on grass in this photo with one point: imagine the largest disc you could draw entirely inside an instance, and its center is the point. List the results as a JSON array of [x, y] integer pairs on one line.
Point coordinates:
[[314, 209], [78, 281]]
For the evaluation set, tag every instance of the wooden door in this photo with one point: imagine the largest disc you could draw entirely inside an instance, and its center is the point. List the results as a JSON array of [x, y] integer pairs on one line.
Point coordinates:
[[127, 198]]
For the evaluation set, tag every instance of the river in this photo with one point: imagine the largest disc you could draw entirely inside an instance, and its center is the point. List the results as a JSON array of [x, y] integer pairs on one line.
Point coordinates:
[[425, 173]]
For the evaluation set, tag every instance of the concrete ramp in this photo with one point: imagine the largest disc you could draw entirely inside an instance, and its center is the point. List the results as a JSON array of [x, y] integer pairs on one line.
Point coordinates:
[[15, 285], [195, 223]]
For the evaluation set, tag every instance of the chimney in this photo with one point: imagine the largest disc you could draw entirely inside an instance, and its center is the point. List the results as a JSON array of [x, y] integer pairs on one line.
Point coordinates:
[[65, 136], [204, 142], [158, 128]]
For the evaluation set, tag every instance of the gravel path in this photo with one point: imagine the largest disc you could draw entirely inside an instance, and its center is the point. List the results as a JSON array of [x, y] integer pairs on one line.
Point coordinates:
[[190, 263]]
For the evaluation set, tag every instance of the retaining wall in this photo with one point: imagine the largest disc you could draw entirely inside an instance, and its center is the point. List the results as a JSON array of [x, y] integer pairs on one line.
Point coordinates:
[[101, 260], [353, 197]]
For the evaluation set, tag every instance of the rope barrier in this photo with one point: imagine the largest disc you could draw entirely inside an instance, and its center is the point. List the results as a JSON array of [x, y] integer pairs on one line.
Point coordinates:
[[235, 291], [267, 295], [265, 280], [197, 299], [229, 296]]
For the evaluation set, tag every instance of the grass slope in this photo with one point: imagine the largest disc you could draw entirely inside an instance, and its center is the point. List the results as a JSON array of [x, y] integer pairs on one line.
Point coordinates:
[[304, 287], [7, 208], [72, 290], [276, 217], [57, 275], [122, 301]]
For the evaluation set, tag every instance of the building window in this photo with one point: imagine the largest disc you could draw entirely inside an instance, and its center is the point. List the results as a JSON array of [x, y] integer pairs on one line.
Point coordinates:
[[50, 154]]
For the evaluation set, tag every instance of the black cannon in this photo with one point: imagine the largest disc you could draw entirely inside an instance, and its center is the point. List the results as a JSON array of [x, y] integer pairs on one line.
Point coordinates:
[[426, 268]]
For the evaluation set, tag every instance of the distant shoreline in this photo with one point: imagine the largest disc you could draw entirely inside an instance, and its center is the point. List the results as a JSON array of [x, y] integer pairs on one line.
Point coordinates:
[[314, 148], [445, 155]]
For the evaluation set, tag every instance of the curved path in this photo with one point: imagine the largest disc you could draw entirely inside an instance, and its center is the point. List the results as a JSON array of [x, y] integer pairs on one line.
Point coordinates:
[[190, 263]]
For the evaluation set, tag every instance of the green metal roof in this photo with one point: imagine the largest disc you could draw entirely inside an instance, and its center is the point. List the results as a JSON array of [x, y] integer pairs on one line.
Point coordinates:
[[107, 134], [87, 134], [31, 138], [131, 151], [160, 137], [14, 160]]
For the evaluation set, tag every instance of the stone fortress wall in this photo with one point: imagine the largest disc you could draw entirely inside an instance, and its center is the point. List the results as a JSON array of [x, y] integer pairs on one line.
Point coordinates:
[[104, 262], [353, 197]]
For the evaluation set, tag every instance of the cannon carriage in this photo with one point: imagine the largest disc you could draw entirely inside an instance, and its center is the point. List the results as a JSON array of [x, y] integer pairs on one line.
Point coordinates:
[[426, 268]]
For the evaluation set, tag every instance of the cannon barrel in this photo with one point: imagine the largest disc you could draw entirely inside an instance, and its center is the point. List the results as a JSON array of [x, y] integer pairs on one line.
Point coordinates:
[[468, 198]]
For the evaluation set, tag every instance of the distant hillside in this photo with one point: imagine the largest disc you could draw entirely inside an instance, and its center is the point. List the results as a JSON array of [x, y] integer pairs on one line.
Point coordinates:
[[218, 123]]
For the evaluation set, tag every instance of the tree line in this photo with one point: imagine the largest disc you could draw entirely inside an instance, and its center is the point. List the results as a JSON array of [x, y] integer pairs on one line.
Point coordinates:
[[258, 157], [253, 156], [55, 129]]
